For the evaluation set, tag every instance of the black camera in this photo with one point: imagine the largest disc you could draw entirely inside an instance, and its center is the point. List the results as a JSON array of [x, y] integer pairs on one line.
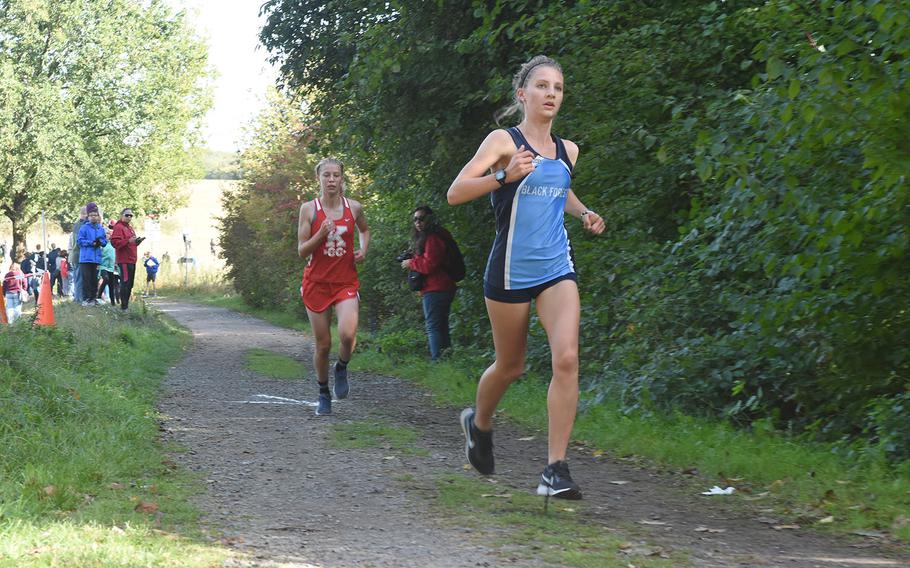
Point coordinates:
[[96, 243], [404, 256]]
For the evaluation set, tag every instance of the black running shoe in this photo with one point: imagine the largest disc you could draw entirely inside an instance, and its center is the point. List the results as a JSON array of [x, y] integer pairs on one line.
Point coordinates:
[[324, 406], [478, 446], [555, 481], [341, 382]]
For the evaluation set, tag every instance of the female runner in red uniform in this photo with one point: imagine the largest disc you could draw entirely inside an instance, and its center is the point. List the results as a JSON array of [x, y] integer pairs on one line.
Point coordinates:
[[325, 233]]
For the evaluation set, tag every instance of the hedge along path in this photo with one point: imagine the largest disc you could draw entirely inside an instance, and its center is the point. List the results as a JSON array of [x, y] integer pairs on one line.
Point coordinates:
[[281, 493]]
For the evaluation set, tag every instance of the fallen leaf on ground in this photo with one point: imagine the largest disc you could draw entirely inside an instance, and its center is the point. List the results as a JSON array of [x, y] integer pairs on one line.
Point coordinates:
[[619, 482], [757, 496], [709, 530], [652, 523], [870, 534], [785, 527], [597, 453], [526, 439], [116, 486], [49, 491], [826, 520], [644, 551], [146, 507], [690, 471], [501, 495]]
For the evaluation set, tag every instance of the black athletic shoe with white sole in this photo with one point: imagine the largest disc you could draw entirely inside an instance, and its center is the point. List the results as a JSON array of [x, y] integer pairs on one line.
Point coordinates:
[[478, 446], [555, 481]]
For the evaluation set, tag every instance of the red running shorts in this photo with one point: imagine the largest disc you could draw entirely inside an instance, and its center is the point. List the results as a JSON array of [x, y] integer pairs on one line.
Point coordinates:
[[320, 296]]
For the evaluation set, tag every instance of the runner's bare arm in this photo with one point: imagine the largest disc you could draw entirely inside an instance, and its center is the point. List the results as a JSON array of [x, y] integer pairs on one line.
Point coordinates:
[[592, 221], [306, 241], [496, 151], [363, 231]]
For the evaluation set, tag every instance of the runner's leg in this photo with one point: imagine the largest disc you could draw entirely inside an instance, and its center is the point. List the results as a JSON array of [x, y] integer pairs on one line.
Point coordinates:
[[510, 339], [348, 313], [320, 323], [559, 311]]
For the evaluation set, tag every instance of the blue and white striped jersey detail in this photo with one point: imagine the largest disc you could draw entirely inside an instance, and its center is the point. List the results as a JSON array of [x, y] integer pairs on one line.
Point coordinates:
[[531, 245]]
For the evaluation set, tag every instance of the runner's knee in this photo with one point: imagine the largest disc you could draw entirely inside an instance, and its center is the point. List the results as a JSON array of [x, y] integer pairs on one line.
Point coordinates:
[[510, 370], [565, 363]]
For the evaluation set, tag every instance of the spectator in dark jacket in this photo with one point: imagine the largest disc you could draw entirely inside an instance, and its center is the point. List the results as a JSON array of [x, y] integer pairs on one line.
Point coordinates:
[[429, 258], [52, 265]]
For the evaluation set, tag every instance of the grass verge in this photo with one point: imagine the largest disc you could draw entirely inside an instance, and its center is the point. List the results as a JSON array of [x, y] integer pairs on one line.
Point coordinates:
[[83, 480], [375, 434], [274, 365], [808, 482]]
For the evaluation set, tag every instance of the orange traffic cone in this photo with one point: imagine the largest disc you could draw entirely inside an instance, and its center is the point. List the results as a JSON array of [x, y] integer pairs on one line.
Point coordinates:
[[45, 302], [3, 308]]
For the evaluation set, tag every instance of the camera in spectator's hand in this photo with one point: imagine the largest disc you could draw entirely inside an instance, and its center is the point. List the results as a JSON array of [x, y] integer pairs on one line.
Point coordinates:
[[404, 256], [139, 239], [96, 243]]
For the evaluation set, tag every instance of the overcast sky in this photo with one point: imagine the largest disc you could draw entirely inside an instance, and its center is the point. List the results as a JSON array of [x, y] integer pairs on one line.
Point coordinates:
[[231, 29]]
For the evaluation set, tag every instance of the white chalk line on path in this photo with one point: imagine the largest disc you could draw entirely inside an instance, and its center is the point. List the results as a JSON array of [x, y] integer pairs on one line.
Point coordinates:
[[273, 400]]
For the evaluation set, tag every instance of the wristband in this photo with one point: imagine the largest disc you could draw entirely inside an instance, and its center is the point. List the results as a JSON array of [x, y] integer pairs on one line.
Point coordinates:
[[587, 212]]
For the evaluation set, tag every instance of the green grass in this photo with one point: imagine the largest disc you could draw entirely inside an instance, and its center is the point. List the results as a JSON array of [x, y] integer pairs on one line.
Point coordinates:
[[83, 481], [274, 365], [804, 481], [375, 434]]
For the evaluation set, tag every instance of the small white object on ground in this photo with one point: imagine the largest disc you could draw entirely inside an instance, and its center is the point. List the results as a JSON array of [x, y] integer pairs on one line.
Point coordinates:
[[718, 491]]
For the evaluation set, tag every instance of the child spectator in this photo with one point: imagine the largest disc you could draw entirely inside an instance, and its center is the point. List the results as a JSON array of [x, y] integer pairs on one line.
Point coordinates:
[[151, 272]]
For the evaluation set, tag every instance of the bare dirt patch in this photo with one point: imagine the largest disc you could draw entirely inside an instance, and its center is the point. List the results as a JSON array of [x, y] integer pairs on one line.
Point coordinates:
[[282, 494]]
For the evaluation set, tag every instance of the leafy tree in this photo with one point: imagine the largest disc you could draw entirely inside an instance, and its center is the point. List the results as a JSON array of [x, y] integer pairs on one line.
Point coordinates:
[[99, 100], [750, 157], [258, 231]]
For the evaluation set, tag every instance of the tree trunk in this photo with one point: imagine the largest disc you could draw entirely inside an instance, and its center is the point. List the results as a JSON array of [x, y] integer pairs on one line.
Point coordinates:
[[18, 248]]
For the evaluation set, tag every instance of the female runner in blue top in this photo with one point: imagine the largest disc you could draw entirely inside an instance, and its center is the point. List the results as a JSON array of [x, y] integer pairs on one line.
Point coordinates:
[[526, 170]]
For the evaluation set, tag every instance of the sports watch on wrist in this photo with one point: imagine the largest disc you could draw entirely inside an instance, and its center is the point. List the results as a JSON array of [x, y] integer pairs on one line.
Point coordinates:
[[500, 176]]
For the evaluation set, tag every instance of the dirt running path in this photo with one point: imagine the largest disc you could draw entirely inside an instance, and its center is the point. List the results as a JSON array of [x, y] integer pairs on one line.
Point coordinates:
[[281, 494]]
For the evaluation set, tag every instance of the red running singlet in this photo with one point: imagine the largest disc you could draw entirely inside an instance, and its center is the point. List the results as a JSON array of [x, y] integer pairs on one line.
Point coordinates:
[[333, 261]]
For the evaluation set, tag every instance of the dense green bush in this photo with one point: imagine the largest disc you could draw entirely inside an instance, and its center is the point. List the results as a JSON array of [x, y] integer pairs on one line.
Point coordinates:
[[750, 157]]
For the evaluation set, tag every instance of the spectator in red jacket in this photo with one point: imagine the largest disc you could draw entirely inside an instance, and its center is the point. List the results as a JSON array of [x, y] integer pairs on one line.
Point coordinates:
[[429, 240], [13, 284], [126, 243]]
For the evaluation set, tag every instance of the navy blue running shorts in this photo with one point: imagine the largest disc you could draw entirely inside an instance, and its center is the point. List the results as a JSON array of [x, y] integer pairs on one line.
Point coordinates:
[[522, 295]]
